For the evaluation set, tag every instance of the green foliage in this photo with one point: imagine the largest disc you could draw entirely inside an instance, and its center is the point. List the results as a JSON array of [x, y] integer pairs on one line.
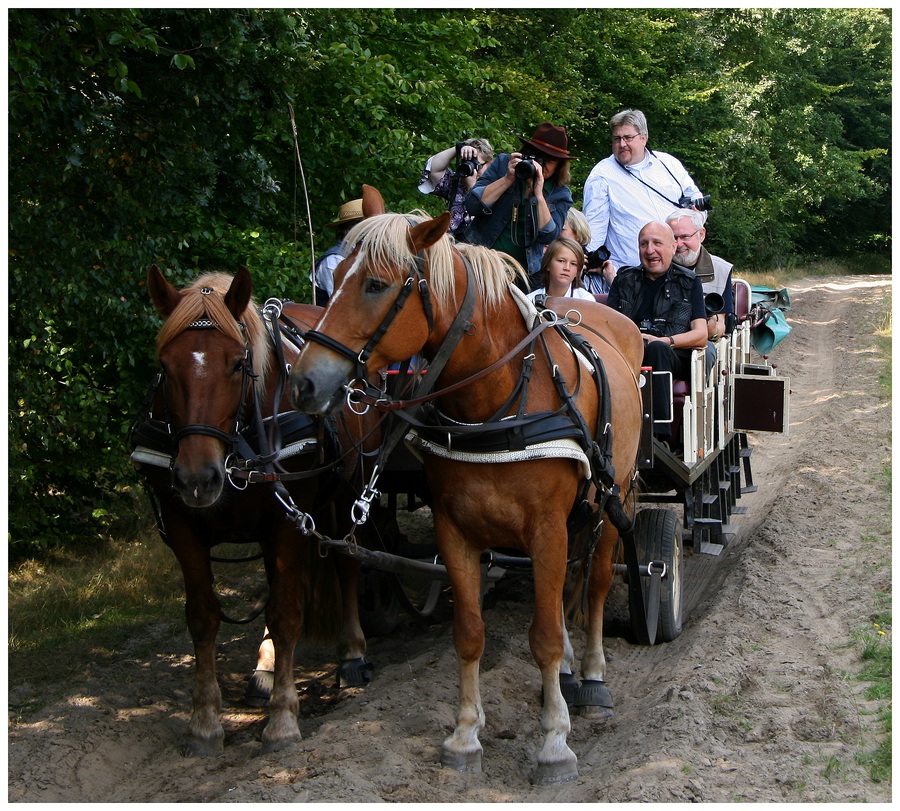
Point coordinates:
[[141, 136]]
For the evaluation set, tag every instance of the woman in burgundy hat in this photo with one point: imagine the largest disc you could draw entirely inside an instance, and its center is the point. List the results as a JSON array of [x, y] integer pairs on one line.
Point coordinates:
[[519, 204]]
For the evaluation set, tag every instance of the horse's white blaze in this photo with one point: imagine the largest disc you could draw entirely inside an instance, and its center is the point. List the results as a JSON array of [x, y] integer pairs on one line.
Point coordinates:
[[354, 269], [200, 362]]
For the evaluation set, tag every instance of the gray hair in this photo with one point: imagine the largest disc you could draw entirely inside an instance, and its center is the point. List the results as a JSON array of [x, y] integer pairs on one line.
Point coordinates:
[[696, 217], [579, 225], [633, 117], [483, 146]]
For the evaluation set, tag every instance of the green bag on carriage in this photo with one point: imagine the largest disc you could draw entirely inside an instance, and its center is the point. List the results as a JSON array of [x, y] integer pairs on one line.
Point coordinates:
[[770, 325]]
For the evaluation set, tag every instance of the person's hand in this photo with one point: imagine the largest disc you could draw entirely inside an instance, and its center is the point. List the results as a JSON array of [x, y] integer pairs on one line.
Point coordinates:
[[468, 153], [538, 180], [608, 269], [514, 159]]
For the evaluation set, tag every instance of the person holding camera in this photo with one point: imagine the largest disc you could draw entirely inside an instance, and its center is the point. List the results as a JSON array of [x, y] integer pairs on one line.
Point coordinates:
[[633, 186], [665, 300], [596, 279], [469, 158], [713, 271], [519, 204]]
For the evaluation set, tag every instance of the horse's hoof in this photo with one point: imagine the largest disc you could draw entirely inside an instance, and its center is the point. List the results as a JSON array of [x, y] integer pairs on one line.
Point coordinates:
[[199, 747], [354, 673], [547, 774], [461, 762], [278, 745], [593, 700], [569, 686], [259, 688]]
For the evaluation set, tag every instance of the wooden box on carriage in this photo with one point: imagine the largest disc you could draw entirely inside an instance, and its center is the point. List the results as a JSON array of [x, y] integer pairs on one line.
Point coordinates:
[[761, 401]]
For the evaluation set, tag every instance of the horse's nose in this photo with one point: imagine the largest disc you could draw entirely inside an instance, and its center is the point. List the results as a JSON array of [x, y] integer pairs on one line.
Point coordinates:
[[198, 488], [303, 391]]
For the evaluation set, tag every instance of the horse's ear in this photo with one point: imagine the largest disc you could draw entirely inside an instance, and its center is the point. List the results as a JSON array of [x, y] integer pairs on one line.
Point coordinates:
[[373, 202], [164, 296], [238, 296], [425, 234]]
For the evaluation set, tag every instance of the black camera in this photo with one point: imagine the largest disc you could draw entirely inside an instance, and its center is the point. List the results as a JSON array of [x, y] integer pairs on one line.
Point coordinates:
[[700, 203], [466, 168], [649, 327], [597, 257], [525, 168]]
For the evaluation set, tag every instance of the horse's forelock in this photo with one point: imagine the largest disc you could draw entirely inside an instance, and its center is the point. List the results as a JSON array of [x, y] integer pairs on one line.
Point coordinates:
[[195, 305], [384, 248]]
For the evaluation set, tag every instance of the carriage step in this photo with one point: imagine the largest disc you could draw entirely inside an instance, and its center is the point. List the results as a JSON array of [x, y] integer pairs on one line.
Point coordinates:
[[709, 499], [660, 498], [745, 453], [708, 522], [740, 510], [750, 488], [711, 548], [725, 485]]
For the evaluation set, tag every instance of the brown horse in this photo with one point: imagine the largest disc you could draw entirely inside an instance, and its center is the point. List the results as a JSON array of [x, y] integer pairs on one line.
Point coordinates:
[[220, 361], [400, 292]]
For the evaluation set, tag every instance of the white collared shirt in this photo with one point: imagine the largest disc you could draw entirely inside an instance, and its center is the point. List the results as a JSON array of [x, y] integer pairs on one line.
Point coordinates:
[[617, 204]]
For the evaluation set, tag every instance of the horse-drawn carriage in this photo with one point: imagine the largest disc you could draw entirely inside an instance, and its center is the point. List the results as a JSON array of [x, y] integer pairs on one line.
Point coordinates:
[[531, 425]]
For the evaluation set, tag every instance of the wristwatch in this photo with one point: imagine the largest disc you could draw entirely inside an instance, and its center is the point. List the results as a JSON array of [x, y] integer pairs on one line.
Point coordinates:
[[671, 342]]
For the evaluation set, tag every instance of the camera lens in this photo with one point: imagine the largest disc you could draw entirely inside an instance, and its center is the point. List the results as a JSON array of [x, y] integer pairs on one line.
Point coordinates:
[[525, 169], [467, 168]]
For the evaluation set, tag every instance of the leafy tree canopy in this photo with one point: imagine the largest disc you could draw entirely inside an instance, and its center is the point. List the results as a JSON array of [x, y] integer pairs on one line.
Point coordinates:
[[141, 136]]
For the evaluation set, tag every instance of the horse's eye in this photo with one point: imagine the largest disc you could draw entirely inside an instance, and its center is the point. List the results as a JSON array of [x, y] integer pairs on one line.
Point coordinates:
[[238, 367], [375, 285]]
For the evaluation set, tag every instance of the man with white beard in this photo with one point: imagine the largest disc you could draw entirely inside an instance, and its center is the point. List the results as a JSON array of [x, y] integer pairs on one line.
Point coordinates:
[[713, 271]]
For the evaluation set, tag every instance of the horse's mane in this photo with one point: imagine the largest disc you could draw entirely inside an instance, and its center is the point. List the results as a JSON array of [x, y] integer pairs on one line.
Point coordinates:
[[383, 243], [195, 305]]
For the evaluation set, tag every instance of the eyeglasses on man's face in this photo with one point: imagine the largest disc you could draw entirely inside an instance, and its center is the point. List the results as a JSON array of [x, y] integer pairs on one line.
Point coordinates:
[[625, 138], [685, 237]]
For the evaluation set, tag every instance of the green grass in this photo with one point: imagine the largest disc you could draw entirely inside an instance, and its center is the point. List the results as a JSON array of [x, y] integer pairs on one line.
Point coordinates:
[[69, 604], [875, 642]]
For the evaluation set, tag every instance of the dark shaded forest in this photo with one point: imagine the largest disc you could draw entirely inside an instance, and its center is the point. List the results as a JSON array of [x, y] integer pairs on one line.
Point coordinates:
[[142, 136]]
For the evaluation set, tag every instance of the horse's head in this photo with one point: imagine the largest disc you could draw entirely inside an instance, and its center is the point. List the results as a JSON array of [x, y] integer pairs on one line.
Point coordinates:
[[205, 349], [388, 292]]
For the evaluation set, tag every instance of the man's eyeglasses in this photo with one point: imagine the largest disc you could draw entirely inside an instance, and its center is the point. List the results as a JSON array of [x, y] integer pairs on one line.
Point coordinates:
[[685, 237], [626, 138]]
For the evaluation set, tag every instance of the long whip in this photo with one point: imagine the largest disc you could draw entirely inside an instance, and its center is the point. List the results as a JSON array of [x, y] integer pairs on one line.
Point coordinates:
[[312, 246]]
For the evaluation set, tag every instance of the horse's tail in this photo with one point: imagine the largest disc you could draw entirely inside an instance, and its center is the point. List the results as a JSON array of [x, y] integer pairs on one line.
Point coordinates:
[[320, 597]]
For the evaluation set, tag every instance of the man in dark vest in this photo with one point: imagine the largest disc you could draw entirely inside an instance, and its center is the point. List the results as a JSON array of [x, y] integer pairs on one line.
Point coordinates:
[[665, 300]]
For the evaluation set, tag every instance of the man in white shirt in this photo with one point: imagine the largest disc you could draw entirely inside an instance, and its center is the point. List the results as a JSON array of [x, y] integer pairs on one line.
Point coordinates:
[[632, 187]]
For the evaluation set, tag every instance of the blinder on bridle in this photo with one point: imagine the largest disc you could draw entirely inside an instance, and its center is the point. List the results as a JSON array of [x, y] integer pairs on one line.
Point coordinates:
[[416, 278]]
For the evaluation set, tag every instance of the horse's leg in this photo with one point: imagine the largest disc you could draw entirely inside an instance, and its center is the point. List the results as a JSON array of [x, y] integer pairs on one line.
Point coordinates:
[[259, 687], [556, 761], [593, 697], [462, 750], [284, 621], [568, 683], [353, 670], [202, 610]]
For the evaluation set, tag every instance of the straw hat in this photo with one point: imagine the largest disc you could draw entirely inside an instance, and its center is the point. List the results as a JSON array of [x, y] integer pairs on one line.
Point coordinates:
[[348, 214]]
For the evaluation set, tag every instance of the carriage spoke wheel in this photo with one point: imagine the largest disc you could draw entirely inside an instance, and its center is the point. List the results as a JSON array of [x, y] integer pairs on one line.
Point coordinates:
[[657, 534], [384, 593]]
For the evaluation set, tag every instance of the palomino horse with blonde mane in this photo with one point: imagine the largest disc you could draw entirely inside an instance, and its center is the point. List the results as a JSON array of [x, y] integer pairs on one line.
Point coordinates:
[[217, 437], [518, 429]]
